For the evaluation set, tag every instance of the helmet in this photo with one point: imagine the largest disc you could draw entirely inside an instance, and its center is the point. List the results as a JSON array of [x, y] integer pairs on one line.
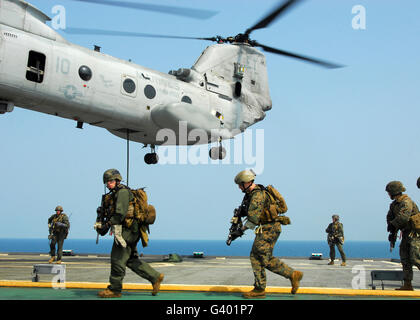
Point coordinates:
[[418, 183], [111, 174], [245, 176], [394, 188], [336, 217], [58, 208]]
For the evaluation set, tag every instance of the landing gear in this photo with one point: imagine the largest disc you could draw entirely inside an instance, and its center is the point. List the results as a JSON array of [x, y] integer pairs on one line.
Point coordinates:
[[151, 158], [217, 153]]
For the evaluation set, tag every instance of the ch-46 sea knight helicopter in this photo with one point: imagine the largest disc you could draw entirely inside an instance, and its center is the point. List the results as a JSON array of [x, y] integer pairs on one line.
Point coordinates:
[[223, 93]]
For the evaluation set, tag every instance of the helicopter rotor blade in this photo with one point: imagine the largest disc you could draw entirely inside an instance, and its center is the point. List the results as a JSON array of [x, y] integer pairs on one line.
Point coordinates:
[[86, 31], [322, 63], [179, 11], [263, 23]]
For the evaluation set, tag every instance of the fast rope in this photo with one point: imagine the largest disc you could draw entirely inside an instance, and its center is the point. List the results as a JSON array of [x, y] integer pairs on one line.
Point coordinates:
[[128, 153]]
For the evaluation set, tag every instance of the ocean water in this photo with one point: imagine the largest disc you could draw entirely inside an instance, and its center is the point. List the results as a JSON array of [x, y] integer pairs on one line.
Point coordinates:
[[352, 249]]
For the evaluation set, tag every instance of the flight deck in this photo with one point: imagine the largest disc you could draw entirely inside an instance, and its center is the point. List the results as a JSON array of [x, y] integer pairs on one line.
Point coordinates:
[[208, 277]]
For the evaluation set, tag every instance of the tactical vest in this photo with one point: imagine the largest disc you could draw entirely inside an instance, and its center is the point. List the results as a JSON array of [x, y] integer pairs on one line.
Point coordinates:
[[334, 233], [409, 223], [64, 230], [138, 210], [274, 206]]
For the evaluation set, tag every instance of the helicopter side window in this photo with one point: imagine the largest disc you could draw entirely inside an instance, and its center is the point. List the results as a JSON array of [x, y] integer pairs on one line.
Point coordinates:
[[36, 67], [149, 91], [186, 99], [85, 73], [129, 86]]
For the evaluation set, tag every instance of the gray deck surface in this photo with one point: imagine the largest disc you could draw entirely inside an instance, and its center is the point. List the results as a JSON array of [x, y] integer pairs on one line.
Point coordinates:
[[211, 271]]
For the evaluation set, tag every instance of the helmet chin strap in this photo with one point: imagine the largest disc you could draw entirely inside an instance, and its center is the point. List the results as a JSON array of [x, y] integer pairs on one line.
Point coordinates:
[[246, 189]]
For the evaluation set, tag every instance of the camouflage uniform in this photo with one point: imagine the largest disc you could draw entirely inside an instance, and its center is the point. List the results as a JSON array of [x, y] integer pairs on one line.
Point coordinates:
[[266, 237], [398, 217], [58, 232], [126, 257], [336, 238]]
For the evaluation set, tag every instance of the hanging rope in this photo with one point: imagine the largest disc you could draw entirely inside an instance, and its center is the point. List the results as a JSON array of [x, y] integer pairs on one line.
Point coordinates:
[[128, 154]]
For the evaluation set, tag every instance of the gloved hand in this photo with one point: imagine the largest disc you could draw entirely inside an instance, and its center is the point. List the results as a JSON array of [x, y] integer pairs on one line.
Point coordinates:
[[391, 228], [237, 233], [101, 229], [392, 237], [234, 220], [117, 231], [60, 224]]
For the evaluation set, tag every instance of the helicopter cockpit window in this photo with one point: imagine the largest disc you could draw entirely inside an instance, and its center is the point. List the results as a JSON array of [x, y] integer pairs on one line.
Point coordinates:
[[36, 67], [186, 99], [129, 85], [85, 73]]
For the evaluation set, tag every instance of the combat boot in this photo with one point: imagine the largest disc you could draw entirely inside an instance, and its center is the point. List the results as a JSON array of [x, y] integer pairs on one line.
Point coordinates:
[[331, 263], [254, 293], [406, 286], [156, 285], [58, 262], [295, 279], [343, 264], [109, 294], [52, 259]]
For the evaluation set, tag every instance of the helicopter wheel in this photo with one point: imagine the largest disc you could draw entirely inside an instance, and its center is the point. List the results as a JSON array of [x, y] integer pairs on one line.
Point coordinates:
[[217, 153], [151, 158]]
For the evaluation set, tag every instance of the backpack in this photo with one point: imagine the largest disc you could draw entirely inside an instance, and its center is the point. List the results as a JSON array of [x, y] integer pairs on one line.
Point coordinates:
[[143, 212], [277, 206], [276, 199], [415, 219]]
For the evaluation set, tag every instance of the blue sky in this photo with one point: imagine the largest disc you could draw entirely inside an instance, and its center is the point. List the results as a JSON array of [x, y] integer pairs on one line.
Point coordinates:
[[332, 141]]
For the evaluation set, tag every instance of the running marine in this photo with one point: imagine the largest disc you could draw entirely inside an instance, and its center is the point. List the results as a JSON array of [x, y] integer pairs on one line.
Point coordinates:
[[256, 205], [127, 233]]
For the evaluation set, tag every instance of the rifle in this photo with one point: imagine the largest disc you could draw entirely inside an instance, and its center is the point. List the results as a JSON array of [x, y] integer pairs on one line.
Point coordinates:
[[51, 231], [392, 238], [102, 217], [235, 229], [393, 232]]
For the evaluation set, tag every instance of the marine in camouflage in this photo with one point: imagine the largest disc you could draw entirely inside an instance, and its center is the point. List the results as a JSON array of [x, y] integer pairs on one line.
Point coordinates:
[[335, 238], [119, 199], [398, 218], [59, 225], [266, 237]]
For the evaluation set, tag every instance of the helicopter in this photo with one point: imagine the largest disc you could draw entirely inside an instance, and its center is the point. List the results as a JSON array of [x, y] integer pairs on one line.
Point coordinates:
[[224, 92]]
